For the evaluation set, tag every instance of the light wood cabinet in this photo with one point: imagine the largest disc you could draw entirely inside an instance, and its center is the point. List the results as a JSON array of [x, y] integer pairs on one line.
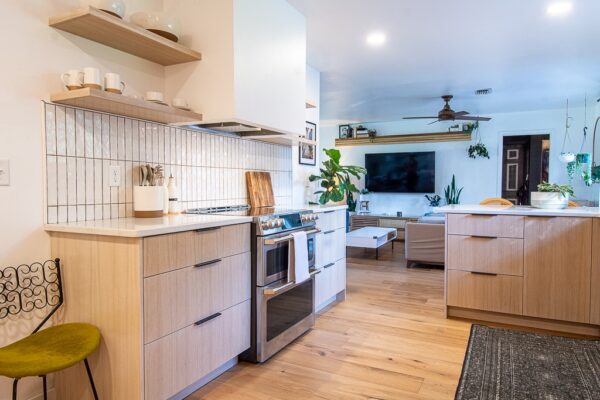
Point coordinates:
[[558, 253], [595, 274], [145, 295], [179, 298], [330, 282], [182, 358], [509, 226], [331, 220], [485, 254], [498, 293]]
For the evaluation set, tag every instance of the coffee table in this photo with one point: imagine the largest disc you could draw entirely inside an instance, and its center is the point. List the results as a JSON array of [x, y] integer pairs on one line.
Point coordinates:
[[371, 237]]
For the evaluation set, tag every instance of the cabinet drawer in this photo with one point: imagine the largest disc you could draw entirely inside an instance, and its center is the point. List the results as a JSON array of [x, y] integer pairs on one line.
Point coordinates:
[[330, 281], [510, 226], [177, 250], [176, 299], [176, 361], [331, 246], [499, 293], [331, 220], [483, 254]]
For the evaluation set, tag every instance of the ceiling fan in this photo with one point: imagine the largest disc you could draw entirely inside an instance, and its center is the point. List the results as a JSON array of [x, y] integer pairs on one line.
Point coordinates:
[[448, 114]]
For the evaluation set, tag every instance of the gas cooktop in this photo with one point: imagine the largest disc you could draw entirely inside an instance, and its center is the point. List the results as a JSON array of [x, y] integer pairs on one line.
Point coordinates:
[[268, 220]]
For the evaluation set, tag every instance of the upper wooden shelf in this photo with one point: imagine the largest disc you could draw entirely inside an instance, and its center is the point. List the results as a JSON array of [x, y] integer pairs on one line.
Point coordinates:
[[410, 138], [107, 29], [99, 100]]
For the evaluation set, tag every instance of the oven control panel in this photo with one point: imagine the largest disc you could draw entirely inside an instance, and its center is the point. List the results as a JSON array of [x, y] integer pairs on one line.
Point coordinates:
[[268, 225]]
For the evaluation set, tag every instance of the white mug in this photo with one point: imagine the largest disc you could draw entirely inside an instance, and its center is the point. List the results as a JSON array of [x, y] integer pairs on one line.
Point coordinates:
[[180, 103], [154, 96], [73, 79], [91, 78], [113, 83]]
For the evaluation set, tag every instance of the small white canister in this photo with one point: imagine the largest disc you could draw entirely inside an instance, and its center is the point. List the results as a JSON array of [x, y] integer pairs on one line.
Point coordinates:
[[148, 201]]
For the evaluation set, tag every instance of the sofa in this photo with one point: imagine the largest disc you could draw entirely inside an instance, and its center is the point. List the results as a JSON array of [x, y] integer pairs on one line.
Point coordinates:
[[425, 242]]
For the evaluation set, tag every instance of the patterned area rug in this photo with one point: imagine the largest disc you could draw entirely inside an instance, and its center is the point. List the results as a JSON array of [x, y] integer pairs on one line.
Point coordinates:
[[502, 364]]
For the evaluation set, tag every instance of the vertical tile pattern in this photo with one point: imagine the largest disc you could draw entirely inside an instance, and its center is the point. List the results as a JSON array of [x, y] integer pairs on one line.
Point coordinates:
[[81, 145]]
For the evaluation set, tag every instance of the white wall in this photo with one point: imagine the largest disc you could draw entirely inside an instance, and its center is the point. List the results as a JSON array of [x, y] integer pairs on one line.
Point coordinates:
[[302, 188], [481, 177]]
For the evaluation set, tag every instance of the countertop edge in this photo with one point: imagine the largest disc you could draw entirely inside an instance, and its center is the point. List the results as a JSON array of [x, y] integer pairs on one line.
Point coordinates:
[[322, 208], [586, 212], [143, 232]]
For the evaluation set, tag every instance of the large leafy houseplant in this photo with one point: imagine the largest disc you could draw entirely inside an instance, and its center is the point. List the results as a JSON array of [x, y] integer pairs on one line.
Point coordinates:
[[335, 180]]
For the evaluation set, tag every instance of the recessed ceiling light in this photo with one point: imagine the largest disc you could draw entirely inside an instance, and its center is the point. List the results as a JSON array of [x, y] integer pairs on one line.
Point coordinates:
[[559, 8], [376, 38]]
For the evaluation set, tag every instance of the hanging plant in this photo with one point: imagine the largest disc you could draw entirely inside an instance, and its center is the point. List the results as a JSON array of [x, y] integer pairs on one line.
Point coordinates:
[[478, 149]]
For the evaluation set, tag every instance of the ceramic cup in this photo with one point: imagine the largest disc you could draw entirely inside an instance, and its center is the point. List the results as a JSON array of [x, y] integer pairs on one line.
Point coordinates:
[[73, 79], [91, 78], [113, 83], [180, 103], [154, 96]]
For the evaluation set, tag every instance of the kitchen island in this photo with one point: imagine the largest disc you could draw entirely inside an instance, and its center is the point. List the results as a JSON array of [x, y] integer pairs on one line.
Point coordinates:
[[524, 266]]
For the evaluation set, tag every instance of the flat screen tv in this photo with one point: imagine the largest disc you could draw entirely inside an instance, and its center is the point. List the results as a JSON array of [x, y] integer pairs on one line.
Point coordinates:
[[401, 172]]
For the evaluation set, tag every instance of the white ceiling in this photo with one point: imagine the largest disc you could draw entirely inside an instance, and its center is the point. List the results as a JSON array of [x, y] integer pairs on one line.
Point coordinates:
[[434, 47]]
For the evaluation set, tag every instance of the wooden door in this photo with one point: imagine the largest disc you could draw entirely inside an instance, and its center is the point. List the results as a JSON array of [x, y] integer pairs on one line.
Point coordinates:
[[557, 268]]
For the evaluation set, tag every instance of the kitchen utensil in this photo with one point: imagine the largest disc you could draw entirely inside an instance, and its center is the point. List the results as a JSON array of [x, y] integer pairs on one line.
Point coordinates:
[[260, 189], [143, 175], [113, 83], [91, 78], [73, 79], [112, 7]]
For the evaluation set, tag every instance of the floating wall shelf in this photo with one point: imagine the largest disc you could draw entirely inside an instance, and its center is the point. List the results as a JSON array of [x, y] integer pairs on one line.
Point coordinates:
[[310, 104], [410, 138], [107, 29], [99, 100]]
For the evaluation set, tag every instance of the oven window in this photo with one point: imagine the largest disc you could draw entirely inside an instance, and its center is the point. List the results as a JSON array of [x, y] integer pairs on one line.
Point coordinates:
[[277, 259], [289, 308], [311, 249]]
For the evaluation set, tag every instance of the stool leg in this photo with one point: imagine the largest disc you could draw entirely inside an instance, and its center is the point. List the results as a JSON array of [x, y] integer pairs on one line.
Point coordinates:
[[14, 396], [89, 373], [45, 391]]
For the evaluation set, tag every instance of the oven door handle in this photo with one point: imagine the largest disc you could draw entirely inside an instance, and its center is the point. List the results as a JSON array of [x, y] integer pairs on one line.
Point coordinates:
[[287, 286], [270, 242]]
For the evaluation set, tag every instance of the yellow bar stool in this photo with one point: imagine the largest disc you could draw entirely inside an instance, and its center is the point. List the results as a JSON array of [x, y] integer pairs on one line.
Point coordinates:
[[38, 286], [496, 201]]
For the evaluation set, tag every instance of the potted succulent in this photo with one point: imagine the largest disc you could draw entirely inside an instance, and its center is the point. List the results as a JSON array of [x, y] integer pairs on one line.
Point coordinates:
[[452, 193], [552, 196], [434, 201]]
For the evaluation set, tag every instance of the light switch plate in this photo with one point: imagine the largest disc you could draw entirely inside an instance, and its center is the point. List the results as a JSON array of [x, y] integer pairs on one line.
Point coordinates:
[[114, 175], [4, 173]]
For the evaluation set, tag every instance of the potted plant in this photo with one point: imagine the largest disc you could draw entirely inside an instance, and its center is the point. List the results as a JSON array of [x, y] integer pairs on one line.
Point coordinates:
[[335, 180], [434, 201], [552, 196], [478, 149], [452, 193]]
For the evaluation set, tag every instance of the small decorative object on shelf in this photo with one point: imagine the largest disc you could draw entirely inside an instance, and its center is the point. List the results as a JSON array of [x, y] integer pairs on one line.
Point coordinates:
[[335, 180], [454, 128], [308, 152], [434, 201], [112, 7], [372, 133], [345, 132], [552, 196], [452, 193], [478, 149], [361, 131]]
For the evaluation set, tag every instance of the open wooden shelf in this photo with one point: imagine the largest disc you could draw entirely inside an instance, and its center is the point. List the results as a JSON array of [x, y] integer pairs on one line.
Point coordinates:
[[99, 100], [310, 104], [409, 138], [107, 29], [287, 140]]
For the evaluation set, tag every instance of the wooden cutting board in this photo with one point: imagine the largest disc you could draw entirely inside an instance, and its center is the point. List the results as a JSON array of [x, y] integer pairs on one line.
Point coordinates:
[[260, 189]]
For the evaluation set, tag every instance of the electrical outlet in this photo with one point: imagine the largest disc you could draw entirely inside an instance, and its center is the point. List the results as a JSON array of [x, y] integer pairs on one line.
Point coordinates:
[[4, 173], [114, 175]]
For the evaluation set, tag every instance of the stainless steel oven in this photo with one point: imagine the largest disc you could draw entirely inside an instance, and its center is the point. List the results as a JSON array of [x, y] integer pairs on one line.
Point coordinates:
[[274, 255]]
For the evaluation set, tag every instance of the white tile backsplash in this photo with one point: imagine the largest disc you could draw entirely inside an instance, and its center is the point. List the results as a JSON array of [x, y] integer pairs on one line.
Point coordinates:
[[210, 169]]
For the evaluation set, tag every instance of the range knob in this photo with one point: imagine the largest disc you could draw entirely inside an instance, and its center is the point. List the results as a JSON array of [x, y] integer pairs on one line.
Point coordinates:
[[279, 222]]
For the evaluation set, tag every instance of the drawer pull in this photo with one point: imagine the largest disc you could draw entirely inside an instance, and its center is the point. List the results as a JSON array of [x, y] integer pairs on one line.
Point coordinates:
[[205, 263], [483, 237], [213, 228], [483, 273], [329, 265], [203, 320], [328, 232]]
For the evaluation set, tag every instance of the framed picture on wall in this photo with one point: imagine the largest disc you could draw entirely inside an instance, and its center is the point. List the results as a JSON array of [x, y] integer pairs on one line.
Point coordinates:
[[345, 132], [308, 152]]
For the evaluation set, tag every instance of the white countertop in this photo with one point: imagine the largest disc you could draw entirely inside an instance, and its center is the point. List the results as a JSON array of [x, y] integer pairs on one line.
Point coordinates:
[[141, 227], [317, 208], [519, 210]]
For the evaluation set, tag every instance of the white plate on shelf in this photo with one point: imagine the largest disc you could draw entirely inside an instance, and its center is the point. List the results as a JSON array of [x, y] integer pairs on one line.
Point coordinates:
[[162, 103]]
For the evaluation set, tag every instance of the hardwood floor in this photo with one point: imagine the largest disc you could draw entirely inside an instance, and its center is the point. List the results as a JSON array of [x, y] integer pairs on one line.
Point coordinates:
[[388, 340]]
